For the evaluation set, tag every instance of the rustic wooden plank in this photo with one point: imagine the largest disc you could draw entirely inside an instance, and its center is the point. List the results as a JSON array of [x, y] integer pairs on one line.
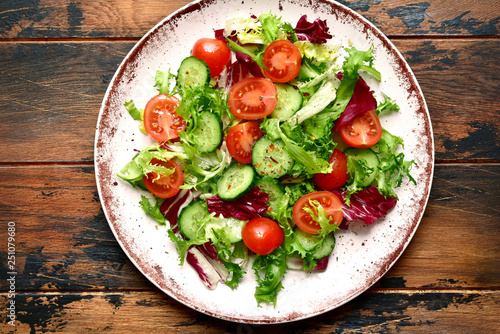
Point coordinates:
[[51, 94], [62, 237], [64, 242], [460, 81], [127, 18], [65, 83], [452, 241], [143, 312]]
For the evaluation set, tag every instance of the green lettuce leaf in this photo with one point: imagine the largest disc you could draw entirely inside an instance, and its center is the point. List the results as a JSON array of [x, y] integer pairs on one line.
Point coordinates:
[[141, 165], [354, 62], [318, 53], [133, 111], [393, 167], [152, 210], [319, 215], [316, 103], [387, 106], [270, 270], [163, 81]]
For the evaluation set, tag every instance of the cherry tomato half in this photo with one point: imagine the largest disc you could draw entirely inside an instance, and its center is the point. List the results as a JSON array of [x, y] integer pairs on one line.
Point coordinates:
[[214, 52], [161, 121], [327, 200], [362, 132], [167, 185], [282, 59], [253, 98], [336, 178], [240, 140], [262, 235]]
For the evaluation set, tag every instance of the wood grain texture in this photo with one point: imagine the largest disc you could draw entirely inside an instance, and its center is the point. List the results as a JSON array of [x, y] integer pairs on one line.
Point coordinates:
[[132, 19], [146, 312], [67, 81], [64, 241], [53, 92], [57, 58]]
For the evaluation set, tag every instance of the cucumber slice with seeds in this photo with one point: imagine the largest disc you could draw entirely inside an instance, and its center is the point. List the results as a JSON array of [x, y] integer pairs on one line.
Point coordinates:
[[289, 102], [208, 132], [271, 158], [311, 242], [190, 217], [193, 72], [236, 181], [196, 211]]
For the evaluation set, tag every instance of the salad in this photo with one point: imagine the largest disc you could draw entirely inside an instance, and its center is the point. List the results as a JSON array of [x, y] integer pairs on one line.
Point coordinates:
[[267, 140]]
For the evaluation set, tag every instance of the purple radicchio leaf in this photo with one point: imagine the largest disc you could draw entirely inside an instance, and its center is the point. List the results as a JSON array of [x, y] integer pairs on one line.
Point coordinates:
[[236, 72], [322, 263], [251, 205], [250, 64], [362, 100], [367, 205], [315, 32], [210, 269], [171, 206]]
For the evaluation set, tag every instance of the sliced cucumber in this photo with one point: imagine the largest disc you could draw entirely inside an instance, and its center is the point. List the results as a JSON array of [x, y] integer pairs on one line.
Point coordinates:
[[289, 102], [190, 218], [273, 188], [193, 72], [271, 158], [362, 165], [237, 180], [208, 132], [311, 242], [326, 248], [193, 214], [232, 228]]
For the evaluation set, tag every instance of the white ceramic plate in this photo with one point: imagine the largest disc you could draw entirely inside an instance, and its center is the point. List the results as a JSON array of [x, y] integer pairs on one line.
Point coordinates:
[[363, 254]]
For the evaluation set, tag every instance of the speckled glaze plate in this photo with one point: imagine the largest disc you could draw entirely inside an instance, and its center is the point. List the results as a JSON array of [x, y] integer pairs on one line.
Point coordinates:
[[363, 253]]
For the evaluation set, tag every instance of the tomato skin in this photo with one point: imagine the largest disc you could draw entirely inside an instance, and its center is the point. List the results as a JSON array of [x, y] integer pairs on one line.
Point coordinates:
[[214, 52], [282, 59], [329, 201], [362, 132], [253, 98], [338, 177], [240, 140], [161, 121], [262, 235], [165, 186]]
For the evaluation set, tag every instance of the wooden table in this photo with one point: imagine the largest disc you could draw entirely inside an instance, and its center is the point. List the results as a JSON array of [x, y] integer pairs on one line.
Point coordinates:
[[56, 60]]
